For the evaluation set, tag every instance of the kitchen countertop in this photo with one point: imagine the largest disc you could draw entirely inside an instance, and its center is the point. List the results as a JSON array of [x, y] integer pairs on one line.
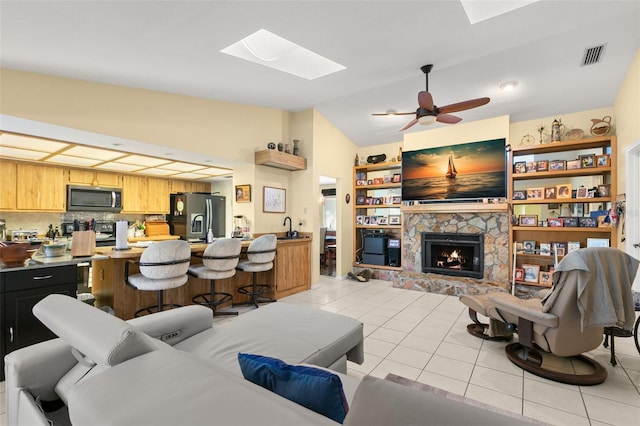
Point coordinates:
[[46, 262]]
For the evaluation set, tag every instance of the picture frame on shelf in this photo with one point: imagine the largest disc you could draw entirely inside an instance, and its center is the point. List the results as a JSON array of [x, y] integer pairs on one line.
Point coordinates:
[[543, 165], [591, 193], [373, 220], [545, 278], [603, 160], [529, 246], [563, 190], [597, 242], [396, 199], [535, 193], [604, 190], [573, 164], [383, 220], [582, 192], [397, 178], [361, 200], [360, 220], [394, 219], [532, 167], [573, 246], [587, 222], [587, 161], [556, 165], [243, 193], [274, 200], [361, 182], [550, 193], [519, 247], [555, 222], [520, 167], [569, 222], [369, 201], [560, 247], [378, 181], [545, 249], [531, 273], [367, 220], [528, 220], [519, 195], [604, 221], [519, 274], [387, 179]]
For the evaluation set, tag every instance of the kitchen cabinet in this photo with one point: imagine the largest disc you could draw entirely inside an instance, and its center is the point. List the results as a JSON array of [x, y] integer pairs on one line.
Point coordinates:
[[535, 178], [177, 185], [134, 194], [280, 160], [8, 179], [40, 188], [292, 267], [89, 177], [376, 208], [158, 195], [19, 291]]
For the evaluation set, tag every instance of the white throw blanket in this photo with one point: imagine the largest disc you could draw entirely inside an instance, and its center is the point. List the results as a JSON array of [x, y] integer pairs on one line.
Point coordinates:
[[604, 276]]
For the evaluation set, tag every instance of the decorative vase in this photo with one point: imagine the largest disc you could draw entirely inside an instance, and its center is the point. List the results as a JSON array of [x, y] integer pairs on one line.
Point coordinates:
[[296, 147], [280, 147], [601, 127], [271, 145], [287, 148]]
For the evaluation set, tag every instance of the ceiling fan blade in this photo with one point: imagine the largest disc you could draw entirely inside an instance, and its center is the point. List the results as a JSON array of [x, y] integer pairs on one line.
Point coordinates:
[[394, 113], [461, 106], [409, 124], [448, 119], [425, 100]]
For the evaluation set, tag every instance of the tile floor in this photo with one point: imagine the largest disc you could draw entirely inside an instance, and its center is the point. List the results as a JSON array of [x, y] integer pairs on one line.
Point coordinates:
[[422, 336]]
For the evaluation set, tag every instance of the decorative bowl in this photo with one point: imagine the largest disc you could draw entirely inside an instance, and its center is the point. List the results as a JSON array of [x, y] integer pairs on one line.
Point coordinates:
[[54, 249], [14, 254]]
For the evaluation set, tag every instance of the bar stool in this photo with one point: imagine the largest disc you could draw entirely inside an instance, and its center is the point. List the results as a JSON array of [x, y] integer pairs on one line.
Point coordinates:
[[219, 261], [163, 266], [260, 255]]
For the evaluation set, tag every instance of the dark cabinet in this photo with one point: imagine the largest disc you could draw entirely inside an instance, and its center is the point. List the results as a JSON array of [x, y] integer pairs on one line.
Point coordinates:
[[19, 292]]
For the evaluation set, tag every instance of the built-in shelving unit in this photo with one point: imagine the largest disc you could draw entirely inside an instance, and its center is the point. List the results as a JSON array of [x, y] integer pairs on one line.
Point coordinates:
[[280, 160], [595, 175]]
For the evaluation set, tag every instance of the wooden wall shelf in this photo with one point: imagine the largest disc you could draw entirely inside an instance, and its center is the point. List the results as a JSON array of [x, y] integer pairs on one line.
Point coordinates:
[[280, 160]]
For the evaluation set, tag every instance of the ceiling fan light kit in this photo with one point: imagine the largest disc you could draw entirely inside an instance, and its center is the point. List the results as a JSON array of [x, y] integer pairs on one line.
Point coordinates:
[[428, 113]]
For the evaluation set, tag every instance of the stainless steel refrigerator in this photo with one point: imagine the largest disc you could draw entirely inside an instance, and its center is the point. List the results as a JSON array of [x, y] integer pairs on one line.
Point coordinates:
[[193, 214]]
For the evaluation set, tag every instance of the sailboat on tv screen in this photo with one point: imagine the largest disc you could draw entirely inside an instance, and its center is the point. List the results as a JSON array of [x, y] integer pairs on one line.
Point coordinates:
[[451, 168]]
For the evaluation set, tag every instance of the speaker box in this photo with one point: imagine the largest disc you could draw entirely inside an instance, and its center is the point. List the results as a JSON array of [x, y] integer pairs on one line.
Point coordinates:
[[374, 259], [394, 256]]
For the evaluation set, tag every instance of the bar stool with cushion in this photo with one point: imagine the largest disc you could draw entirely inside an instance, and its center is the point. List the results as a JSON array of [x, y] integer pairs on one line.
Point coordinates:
[[163, 266], [219, 261], [260, 255]]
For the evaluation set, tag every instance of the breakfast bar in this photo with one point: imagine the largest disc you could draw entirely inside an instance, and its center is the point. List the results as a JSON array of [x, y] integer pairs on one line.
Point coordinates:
[[291, 274]]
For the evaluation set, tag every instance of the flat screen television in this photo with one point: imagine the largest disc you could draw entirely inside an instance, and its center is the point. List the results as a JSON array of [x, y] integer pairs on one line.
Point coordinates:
[[466, 172]]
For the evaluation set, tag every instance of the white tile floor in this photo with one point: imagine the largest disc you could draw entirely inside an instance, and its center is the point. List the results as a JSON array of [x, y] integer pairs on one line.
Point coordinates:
[[422, 336]]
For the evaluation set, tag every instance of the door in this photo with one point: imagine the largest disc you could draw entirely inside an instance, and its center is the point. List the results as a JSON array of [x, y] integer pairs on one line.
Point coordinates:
[[631, 225]]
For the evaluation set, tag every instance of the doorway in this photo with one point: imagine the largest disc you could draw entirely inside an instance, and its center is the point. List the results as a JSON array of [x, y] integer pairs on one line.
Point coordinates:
[[328, 226], [631, 226]]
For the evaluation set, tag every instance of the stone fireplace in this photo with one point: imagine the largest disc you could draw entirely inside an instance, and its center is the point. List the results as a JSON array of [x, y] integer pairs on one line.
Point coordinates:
[[455, 254]]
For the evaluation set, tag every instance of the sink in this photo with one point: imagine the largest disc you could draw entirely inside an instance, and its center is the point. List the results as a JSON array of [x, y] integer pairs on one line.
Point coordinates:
[[289, 238]]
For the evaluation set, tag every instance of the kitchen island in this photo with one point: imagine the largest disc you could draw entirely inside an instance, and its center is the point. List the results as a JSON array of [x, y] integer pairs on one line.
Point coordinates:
[[291, 274]]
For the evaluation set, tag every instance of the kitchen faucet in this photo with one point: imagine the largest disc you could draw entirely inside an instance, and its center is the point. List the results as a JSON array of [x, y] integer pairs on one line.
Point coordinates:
[[290, 233]]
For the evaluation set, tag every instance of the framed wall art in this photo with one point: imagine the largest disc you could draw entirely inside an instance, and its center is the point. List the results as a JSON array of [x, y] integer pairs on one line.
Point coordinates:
[[243, 193], [274, 200]]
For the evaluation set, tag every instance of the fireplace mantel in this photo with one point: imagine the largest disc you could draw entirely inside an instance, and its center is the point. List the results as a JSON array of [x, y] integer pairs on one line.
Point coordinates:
[[456, 207]]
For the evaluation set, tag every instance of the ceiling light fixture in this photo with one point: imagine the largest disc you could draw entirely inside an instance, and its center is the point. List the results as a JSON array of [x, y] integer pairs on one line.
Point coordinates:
[[508, 86], [427, 120]]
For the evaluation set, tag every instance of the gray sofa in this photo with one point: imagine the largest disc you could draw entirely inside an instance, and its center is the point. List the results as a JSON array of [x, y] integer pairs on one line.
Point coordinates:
[[174, 368]]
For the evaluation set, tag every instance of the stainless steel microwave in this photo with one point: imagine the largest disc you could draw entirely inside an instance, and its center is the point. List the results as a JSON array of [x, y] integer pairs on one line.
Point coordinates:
[[93, 198]]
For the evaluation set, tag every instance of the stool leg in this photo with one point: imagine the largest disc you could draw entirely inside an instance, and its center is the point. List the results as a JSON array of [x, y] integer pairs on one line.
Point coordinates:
[[160, 300], [613, 350], [213, 303]]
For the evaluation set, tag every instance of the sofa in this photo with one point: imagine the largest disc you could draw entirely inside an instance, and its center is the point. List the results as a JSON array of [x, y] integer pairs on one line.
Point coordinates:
[[175, 367]]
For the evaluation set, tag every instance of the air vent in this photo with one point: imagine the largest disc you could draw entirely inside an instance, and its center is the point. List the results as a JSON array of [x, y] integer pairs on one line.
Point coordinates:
[[592, 55]]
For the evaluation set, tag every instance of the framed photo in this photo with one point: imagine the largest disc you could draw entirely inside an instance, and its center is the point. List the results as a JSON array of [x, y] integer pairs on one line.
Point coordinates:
[[370, 182], [519, 195], [519, 274], [543, 165], [569, 222], [582, 192], [563, 191], [557, 165], [550, 193], [545, 279], [243, 193], [520, 167], [573, 246], [604, 221], [604, 190], [359, 220], [603, 160], [397, 177], [560, 247], [369, 201], [531, 273], [587, 222], [387, 178], [573, 164], [373, 220], [274, 200], [361, 182], [378, 181], [545, 249], [597, 242], [519, 247], [394, 219], [535, 193], [528, 220], [591, 193], [367, 220], [383, 220], [361, 200], [532, 167], [555, 222], [396, 199], [529, 246], [587, 161]]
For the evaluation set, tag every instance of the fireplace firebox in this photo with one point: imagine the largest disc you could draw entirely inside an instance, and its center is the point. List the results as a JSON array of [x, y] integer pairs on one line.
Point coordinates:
[[455, 254]]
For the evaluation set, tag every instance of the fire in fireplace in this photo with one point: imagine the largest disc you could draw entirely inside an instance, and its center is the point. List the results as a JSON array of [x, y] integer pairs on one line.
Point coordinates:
[[454, 254]]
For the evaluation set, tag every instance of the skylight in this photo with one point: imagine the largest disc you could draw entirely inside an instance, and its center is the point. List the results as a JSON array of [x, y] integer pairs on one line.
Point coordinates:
[[273, 51], [481, 10]]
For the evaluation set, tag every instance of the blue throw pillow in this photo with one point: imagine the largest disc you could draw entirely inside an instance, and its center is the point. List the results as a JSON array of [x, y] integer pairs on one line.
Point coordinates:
[[313, 388]]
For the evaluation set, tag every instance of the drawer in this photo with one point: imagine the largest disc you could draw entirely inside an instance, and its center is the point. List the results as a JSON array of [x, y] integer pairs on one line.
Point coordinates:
[[37, 278]]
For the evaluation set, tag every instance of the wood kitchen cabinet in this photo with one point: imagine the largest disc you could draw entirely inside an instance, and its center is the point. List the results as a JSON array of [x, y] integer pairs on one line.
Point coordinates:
[[40, 188], [178, 185], [158, 194], [134, 194], [89, 177], [292, 267], [8, 179]]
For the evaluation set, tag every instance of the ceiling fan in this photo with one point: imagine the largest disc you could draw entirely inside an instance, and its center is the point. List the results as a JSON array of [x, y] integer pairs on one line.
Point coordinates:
[[427, 112]]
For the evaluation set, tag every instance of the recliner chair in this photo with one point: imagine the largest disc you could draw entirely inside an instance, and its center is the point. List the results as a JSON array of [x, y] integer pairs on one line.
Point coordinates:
[[591, 291]]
